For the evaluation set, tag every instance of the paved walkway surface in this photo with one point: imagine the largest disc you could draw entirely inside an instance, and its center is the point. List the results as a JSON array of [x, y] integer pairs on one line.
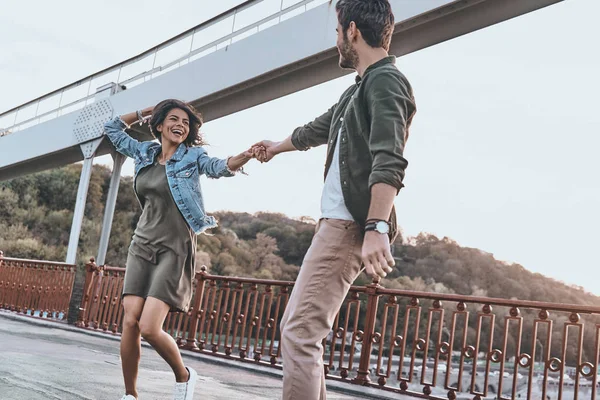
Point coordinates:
[[41, 362]]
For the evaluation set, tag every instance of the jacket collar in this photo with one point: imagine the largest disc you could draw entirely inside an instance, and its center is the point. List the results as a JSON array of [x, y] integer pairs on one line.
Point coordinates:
[[180, 152], [380, 63]]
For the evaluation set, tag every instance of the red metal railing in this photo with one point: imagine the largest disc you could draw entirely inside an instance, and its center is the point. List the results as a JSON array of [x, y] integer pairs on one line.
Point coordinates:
[[421, 344], [443, 346], [256, 304], [36, 288], [101, 302]]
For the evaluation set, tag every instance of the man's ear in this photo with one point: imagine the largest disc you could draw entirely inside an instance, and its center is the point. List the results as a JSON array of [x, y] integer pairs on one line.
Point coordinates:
[[353, 33]]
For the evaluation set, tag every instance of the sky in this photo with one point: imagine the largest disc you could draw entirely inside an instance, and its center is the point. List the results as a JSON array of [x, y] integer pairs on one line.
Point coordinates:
[[502, 151]]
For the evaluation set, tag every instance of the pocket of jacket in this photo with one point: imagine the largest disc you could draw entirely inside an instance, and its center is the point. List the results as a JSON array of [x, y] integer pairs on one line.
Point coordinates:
[[187, 171]]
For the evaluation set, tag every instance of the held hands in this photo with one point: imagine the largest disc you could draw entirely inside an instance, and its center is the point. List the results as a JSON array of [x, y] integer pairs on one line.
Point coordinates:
[[376, 255], [264, 151]]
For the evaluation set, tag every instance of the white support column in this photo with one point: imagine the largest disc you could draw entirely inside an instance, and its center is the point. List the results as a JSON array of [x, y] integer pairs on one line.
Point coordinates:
[[109, 209], [89, 150]]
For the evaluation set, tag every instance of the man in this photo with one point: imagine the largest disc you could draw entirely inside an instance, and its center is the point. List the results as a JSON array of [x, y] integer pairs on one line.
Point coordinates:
[[366, 132]]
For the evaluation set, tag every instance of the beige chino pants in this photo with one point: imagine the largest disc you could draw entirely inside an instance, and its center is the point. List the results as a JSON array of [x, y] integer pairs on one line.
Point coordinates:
[[330, 266]]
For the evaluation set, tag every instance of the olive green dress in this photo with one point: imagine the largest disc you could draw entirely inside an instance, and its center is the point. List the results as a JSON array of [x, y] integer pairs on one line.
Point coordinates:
[[161, 258]]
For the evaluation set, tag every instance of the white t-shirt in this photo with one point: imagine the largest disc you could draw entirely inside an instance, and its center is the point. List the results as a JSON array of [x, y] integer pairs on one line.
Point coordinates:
[[332, 199]]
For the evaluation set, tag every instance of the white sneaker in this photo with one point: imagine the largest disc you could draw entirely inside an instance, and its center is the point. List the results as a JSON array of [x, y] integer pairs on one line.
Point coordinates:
[[185, 390], [128, 397]]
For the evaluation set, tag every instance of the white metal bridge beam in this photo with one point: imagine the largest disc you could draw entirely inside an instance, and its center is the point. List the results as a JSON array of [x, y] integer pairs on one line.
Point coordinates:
[[270, 63]]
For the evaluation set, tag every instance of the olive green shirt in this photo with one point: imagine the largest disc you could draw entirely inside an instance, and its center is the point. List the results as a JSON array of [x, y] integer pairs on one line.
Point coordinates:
[[377, 112]]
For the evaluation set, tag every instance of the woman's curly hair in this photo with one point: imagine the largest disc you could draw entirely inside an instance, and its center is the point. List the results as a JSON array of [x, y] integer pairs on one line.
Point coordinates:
[[161, 111]]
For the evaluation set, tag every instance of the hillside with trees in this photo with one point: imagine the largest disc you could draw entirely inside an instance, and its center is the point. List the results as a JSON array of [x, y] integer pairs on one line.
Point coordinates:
[[36, 213]]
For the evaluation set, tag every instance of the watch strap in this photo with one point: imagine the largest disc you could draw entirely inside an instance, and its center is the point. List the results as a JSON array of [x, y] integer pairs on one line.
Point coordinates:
[[370, 226]]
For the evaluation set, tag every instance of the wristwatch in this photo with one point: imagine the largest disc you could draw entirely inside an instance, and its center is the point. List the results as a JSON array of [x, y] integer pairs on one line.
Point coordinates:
[[379, 226]]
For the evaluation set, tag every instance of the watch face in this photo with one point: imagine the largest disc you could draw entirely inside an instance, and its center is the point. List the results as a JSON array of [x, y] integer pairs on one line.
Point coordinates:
[[382, 227]]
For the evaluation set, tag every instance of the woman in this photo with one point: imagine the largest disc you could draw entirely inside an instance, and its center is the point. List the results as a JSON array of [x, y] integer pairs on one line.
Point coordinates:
[[160, 262]]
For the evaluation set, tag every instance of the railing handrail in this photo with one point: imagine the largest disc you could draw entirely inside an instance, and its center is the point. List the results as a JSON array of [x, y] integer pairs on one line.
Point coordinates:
[[207, 276], [111, 269], [238, 279], [495, 301], [37, 262], [239, 7], [492, 301]]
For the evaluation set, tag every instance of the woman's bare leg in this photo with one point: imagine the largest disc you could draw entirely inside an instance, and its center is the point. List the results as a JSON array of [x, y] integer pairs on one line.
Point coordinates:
[[131, 345], [153, 316]]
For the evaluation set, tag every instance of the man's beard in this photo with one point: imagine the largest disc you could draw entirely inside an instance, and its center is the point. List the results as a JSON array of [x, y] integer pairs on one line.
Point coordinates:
[[348, 55]]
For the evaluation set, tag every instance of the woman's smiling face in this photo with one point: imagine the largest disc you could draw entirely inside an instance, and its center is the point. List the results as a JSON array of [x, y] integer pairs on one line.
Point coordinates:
[[176, 126]]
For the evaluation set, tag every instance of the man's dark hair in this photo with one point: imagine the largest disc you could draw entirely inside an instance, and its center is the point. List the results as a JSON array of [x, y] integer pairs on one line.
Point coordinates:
[[373, 18], [161, 111]]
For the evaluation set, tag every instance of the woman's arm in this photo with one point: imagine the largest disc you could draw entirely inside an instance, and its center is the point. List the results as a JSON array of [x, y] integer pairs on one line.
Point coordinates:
[[115, 131], [133, 116], [237, 162], [217, 167]]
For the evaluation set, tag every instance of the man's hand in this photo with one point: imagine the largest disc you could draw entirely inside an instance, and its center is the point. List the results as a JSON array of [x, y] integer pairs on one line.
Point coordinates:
[[376, 255], [258, 152], [265, 150]]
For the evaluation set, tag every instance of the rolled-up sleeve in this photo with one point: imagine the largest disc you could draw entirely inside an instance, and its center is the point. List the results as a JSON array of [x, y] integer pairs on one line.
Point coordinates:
[[213, 167], [124, 144], [313, 134], [390, 106]]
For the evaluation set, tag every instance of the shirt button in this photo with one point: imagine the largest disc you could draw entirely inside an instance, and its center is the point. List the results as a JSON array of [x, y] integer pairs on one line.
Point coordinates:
[[345, 183], [343, 162]]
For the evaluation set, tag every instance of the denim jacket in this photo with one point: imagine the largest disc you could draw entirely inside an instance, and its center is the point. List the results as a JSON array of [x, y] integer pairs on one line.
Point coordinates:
[[183, 172]]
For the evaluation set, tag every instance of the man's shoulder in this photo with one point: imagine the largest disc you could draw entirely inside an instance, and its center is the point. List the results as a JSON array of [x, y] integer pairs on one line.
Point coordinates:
[[388, 77], [348, 91], [385, 74]]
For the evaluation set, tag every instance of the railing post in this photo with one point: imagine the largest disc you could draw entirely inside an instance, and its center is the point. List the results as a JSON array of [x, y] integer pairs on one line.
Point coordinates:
[[80, 293], [363, 372], [94, 298], [195, 312], [3, 285]]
